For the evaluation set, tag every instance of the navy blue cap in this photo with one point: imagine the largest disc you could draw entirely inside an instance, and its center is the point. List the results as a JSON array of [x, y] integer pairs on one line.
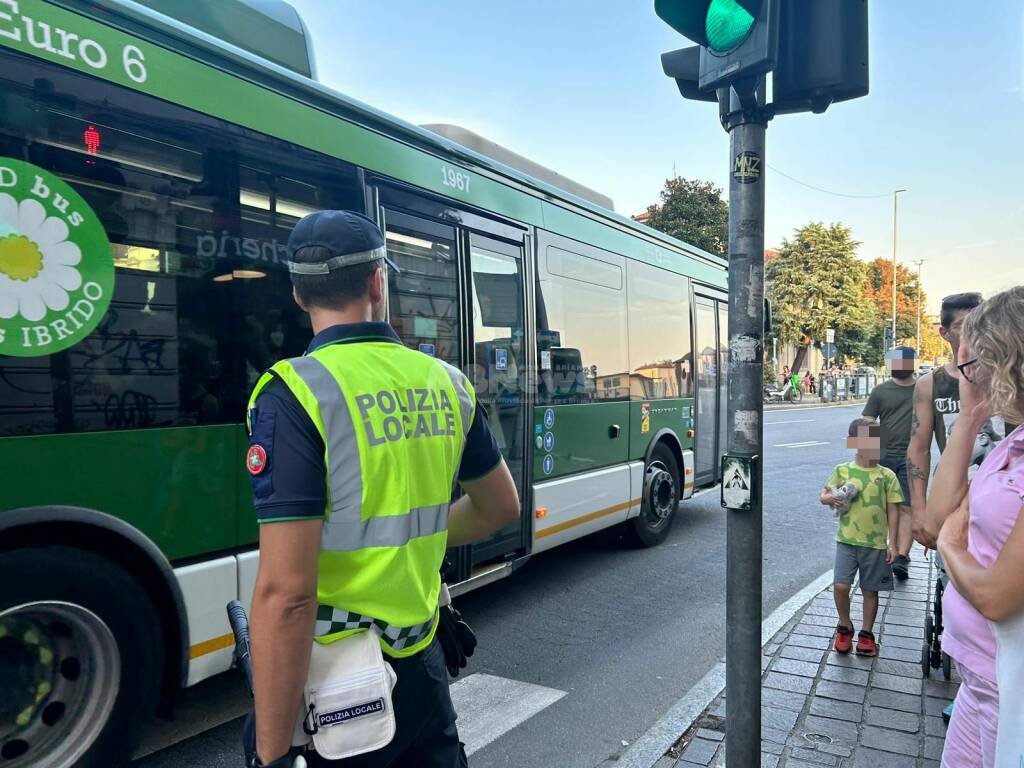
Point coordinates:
[[349, 237]]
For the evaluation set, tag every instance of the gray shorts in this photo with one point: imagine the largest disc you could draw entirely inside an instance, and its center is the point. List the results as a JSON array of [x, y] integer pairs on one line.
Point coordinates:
[[875, 573], [899, 466]]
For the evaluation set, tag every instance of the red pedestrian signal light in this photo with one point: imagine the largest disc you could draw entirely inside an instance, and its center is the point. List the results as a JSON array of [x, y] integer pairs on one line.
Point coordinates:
[[91, 137]]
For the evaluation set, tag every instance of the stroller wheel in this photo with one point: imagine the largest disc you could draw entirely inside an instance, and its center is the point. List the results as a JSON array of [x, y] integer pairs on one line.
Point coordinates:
[[947, 666], [929, 629], [926, 660]]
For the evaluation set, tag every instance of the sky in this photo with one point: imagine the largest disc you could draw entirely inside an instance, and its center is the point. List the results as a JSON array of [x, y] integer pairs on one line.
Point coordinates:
[[577, 86]]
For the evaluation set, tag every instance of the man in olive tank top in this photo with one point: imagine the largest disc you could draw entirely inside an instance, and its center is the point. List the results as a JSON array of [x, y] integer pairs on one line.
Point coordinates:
[[936, 408]]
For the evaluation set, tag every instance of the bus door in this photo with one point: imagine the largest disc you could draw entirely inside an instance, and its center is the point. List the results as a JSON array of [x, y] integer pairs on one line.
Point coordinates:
[[460, 296], [711, 334], [497, 290]]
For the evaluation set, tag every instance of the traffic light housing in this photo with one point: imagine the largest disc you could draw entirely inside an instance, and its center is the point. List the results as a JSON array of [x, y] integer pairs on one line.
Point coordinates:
[[817, 50], [735, 39], [823, 54]]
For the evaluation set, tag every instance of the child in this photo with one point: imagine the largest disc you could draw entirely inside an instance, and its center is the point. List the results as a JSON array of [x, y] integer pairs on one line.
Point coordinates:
[[866, 540]]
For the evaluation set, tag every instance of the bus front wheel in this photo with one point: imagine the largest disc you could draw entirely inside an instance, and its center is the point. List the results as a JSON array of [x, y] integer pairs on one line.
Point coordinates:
[[80, 657], [660, 499]]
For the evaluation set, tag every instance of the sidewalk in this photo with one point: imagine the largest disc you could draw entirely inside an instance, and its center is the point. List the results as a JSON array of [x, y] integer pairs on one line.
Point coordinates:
[[820, 709]]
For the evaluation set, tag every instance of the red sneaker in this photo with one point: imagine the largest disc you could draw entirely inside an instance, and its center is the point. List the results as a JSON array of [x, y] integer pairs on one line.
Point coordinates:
[[844, 639], [866, 645]]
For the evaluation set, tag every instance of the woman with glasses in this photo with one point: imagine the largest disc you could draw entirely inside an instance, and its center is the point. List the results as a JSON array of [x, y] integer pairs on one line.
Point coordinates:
[[982, 541]]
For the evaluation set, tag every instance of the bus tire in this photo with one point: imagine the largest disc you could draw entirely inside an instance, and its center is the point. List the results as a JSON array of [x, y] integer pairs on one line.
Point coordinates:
[[660, 499], [80, 646]]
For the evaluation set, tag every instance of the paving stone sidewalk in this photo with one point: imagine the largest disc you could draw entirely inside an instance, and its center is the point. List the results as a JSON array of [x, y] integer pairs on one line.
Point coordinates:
[[821, 709]]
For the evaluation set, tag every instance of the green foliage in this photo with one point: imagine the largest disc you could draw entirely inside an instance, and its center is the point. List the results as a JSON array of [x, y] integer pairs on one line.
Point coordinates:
[[695, 212], [879, 292], [770, 377], [817, 282]]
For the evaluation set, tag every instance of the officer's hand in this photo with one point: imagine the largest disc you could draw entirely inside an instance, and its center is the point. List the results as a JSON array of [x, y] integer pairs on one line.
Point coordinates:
[[285, 761], [467, 638], [249, 749], [447, 635]]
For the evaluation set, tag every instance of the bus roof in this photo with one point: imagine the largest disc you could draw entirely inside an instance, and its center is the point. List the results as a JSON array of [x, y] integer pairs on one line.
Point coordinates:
[[227, 55]]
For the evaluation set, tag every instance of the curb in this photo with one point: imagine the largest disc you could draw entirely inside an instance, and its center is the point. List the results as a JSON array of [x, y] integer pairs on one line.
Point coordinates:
[[649, 748]]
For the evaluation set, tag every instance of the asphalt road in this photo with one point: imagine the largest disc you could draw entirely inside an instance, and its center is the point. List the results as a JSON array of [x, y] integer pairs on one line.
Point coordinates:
[[622, 632]]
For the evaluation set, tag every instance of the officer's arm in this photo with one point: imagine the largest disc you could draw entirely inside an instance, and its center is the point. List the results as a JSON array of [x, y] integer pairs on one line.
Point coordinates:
[[919, 460], [490, 502], [286, 461], [283, 615], [491, 499]]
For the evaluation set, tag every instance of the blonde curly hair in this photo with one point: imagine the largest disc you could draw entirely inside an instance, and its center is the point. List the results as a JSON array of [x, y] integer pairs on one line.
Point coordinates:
[[995, 333]]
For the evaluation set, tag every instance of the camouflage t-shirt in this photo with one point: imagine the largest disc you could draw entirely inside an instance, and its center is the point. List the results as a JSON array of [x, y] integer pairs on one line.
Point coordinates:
[[867, 523]]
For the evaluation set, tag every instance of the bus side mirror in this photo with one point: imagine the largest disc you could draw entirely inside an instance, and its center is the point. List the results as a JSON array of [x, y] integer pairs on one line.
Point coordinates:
[[767, 316]]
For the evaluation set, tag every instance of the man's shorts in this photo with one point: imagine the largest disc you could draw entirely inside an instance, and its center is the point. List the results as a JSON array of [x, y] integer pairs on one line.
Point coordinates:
[[899, 466], [875, 573]]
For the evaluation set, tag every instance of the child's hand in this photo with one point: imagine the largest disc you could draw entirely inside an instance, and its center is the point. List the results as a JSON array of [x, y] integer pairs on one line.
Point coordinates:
[[891, 554]]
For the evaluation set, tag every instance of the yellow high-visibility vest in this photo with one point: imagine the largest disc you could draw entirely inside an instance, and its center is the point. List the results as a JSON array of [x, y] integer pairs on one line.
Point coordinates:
[[394, 423]]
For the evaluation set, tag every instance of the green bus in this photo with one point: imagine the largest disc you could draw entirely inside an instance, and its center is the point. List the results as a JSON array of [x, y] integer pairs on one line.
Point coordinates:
[[151, 169]]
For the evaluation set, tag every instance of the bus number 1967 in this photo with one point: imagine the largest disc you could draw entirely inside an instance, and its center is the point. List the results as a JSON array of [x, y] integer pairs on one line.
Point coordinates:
[[455, 179]]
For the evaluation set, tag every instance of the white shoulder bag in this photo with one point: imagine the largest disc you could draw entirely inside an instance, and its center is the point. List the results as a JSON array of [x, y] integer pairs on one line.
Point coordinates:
[[347, 697], [1010, 677]]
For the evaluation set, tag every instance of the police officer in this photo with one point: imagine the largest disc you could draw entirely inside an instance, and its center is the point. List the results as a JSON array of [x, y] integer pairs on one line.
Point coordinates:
[[354, 450]]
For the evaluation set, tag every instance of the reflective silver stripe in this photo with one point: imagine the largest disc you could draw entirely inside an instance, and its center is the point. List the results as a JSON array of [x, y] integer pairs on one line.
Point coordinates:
[[461, 384], [336, 262], [344, 473], [384, 530]]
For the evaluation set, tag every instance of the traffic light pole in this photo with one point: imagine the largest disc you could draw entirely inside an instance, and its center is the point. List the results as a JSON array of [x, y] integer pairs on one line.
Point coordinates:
[[746, 128]]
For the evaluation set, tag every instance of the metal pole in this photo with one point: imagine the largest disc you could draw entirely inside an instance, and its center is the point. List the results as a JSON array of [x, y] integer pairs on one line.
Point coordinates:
[[745, 430], [895, 220], [919, 262]]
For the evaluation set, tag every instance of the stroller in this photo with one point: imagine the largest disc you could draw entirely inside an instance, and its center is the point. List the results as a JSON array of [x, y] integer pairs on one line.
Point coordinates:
[[932, 655]]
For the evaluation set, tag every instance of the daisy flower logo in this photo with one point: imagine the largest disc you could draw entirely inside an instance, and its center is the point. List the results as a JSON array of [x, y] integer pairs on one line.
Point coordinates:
[[36, 258], [56, 267]]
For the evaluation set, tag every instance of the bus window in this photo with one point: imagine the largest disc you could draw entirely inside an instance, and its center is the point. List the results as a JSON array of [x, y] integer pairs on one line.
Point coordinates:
[[581, 333], [198, 213], [423, 302], [661, 359]]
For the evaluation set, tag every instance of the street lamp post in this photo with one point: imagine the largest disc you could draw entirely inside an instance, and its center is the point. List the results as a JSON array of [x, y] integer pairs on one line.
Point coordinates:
[[895, 220], [919, 262]]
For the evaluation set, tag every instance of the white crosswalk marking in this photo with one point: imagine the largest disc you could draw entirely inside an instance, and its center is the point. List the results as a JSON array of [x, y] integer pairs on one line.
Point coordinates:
[[489, 706], [807, 444]]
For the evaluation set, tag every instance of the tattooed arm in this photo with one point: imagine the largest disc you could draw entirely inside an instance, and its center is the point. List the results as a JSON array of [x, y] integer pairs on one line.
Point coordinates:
[[919, 460]]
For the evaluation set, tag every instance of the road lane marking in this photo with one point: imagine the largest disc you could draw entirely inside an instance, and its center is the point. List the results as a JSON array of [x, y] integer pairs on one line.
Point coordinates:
[[490, 706], [786, 409], [807, 444], [794, 421]]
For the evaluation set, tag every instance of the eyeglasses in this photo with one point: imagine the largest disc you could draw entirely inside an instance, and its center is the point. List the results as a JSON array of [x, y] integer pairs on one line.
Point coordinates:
[[962, 367]]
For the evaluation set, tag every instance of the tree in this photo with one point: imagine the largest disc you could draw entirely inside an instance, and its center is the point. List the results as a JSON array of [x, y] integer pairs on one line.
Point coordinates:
[[879, 294], [933, 346], [817, 282], [694, 212]]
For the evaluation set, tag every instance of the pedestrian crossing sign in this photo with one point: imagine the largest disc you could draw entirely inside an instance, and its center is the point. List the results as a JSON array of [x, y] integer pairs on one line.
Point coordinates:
[[738, 482]]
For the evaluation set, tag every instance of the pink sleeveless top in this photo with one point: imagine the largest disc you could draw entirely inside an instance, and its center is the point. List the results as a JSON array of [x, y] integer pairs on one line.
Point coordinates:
[[997, 494]]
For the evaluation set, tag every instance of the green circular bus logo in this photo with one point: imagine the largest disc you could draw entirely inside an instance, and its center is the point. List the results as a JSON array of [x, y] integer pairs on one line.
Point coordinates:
[[56, 267]]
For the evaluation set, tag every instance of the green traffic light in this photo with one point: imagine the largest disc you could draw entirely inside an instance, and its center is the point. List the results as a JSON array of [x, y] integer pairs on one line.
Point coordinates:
[[727, 24]]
